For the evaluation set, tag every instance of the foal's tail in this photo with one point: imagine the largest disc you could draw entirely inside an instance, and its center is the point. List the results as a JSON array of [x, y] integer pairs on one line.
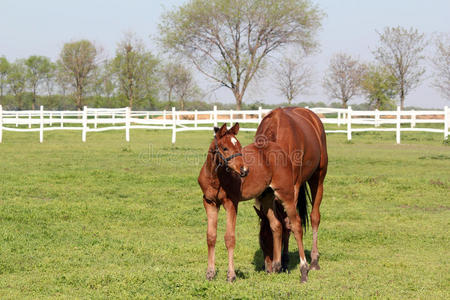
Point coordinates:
[[302, 205]]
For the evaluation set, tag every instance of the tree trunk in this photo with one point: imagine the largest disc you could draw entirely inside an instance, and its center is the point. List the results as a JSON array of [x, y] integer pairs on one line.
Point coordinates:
[[181, 103], [238, 97]]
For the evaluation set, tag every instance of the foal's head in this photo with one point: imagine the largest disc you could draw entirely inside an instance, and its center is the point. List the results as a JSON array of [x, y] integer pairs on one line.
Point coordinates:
[[228, 150]]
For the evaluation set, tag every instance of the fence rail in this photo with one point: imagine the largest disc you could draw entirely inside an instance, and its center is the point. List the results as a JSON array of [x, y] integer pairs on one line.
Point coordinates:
[[105, 119]]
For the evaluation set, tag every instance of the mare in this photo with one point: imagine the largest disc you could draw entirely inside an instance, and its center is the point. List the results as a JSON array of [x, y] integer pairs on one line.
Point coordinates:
[[289, 150]]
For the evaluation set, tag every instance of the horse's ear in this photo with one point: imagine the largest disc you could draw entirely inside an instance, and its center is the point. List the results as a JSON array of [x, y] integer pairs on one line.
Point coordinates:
[[259, 213], [221, 131], [216, 129], [235, 129]]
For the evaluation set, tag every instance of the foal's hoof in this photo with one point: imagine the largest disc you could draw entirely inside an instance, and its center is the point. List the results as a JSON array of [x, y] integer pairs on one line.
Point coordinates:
[[314, 265], [284, 263], [210, 274], [231, 277], [304, 273]]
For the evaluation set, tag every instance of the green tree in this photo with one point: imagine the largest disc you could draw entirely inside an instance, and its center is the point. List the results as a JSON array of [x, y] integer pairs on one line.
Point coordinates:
[[228, 40], [37, 69], [4, 68], [78, 61], [401, 52], [441, 64], [17, 81], [135, 69], [379, 86]]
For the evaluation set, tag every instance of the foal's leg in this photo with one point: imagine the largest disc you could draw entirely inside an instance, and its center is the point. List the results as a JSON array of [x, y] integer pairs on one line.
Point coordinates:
[[277, 232], [230, 240], [285, 253], [316, 185], [212, 213], [287, 198]]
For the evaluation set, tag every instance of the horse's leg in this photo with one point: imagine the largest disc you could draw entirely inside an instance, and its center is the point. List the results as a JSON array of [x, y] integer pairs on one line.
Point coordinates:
[[212, 213], [230, 240], [277, 232], [285, 253], [316, 186], [288, 200]]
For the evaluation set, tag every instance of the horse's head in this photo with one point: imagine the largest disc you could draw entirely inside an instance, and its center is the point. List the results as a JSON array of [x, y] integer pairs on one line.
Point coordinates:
[[228, 150]]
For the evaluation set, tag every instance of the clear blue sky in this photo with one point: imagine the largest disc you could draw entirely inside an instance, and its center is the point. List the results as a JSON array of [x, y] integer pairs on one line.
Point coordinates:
[[42, 27]]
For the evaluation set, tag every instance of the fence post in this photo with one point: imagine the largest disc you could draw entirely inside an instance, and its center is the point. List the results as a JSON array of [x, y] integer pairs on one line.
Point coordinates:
[[446, 122], [164, 118], [398, 125], [259, 114], [147, 116], [51, 119], [215, 116], [127, 124], [113, 115], [174, 126], [84, 124], [413, 118], [339, 119], [41, 125], [377, 118], [62, 119], [95, 119], [1, 123], [195, 118], [29, 120], [349, 123], [17, 119]]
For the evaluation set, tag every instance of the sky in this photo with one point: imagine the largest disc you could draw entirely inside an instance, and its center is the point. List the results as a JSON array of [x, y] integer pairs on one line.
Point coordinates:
[[42, 27]]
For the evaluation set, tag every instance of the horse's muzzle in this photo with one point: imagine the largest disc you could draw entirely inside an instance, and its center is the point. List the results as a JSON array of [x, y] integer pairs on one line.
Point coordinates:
[[244, 171]]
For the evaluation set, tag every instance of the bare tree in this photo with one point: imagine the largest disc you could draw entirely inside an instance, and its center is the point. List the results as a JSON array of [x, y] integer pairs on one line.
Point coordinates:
[[78, 61], [133, 66], [441, 64], [400, 51], [228, 40], [343, 78], [292, 76]]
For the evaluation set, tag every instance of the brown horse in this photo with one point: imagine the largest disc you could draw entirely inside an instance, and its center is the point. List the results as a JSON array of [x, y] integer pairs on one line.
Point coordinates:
[[289, 149]]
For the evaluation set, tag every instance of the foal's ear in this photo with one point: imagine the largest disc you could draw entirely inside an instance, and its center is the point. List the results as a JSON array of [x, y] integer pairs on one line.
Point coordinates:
[[220, 132], [235, 129], [259, 213], [216, 129]]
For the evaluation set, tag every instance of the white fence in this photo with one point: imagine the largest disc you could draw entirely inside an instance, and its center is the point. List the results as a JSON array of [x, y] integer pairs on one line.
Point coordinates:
[[103, 119]]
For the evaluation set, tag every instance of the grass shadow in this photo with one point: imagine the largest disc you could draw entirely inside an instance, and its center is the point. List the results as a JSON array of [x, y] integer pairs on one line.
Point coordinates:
[[294, 260]]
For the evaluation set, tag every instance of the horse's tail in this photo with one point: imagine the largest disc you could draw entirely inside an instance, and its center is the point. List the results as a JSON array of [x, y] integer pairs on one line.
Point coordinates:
[[302, 205]]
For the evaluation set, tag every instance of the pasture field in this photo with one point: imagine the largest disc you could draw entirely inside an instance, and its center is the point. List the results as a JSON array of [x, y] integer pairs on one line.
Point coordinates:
[[107, 219]]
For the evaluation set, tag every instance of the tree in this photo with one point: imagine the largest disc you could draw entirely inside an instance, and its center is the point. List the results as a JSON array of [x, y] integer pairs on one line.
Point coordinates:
[[17, 80], [178, 82], [379, 86], [400, 51], [441, 64], [343, 78], [37, 69], [4, 69], [228, 40], [134, 67], [78, 61], [49, 78], [292, 76]]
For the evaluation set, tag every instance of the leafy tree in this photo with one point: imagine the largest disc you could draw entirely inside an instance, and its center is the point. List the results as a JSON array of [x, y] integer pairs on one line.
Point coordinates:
[[400, 51], [37, 69], [4, 69], [343, 78], [17, 81], [134, 68], [441, 64], [228, 40], [178, 82], [379, 86], [78, 61], [292, 76]]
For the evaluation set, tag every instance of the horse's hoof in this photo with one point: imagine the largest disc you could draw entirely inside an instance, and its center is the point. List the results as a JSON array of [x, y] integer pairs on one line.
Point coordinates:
[[276, 267], [210, 274], [304, 273], [231, 277], [285, 263], [314, 265]]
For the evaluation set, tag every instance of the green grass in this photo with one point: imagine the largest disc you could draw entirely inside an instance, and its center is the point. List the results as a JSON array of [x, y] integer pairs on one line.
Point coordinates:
[[107, 219]]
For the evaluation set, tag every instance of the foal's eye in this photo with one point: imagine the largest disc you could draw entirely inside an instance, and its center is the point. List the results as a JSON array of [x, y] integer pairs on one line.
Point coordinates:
[[225, 149]]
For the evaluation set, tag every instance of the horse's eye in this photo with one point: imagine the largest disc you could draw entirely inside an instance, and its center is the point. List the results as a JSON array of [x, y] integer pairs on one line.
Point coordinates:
[[225, 149]]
